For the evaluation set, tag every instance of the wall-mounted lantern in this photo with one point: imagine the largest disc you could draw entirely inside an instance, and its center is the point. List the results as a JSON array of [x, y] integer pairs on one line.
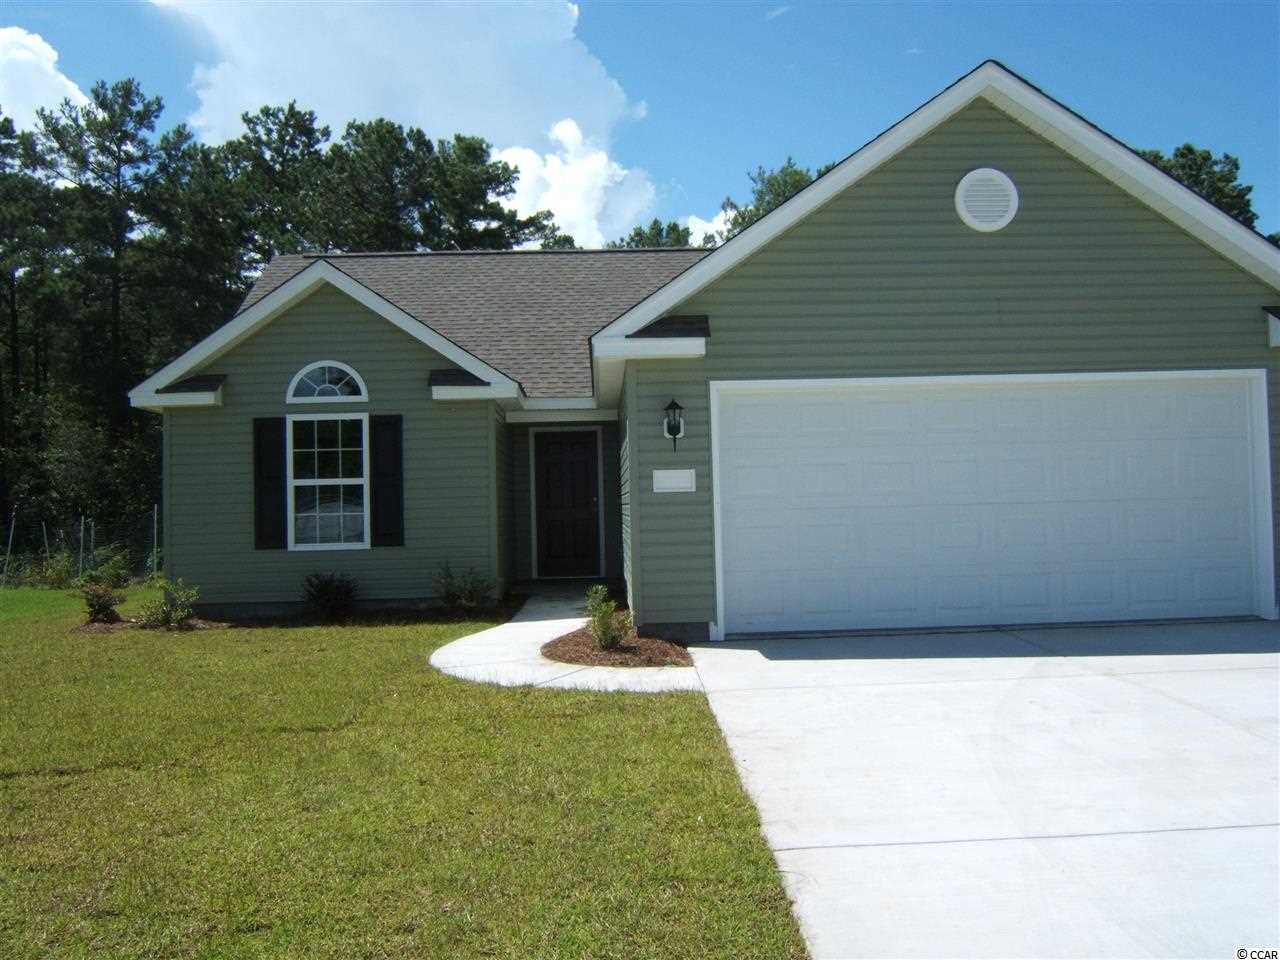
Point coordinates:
[[673, 425]]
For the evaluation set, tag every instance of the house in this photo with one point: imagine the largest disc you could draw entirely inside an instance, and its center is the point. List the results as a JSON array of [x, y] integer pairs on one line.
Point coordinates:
[[991, 368]]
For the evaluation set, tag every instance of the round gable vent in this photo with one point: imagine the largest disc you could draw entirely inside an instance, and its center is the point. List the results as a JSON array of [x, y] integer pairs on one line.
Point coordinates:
[[986, 199]]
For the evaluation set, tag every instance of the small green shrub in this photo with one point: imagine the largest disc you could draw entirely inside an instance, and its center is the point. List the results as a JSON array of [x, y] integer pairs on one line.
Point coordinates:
[[100, 600], [109, 565], [330, 596], [602, 618], [171, 611], [57, 570], [462, 594]]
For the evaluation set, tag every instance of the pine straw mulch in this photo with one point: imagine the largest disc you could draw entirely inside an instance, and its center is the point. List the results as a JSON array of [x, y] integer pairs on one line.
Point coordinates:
[[580, 647]]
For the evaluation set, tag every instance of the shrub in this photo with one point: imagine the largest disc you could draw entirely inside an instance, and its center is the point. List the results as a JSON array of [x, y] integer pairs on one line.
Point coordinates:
[[462, 594], [101, 600], [330, 596], [602, 618], [172, 610], [57, 570], [108, 565]]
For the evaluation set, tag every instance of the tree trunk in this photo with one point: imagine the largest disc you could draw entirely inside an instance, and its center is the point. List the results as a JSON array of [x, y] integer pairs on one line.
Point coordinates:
[[15, 343]]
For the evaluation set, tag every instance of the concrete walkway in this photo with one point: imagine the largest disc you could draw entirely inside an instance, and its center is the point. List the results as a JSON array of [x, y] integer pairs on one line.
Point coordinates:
[[510, 655], [1072, 792]]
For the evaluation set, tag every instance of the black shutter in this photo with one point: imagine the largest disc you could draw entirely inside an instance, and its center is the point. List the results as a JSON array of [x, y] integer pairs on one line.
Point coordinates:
[[269, 513], [386, 481]]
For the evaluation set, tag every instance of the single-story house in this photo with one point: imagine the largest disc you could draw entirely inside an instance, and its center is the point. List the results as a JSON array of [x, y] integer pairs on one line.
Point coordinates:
[[992, 368]]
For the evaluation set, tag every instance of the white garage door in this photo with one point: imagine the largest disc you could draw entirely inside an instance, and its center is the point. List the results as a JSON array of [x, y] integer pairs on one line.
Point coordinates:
[[963, 500]]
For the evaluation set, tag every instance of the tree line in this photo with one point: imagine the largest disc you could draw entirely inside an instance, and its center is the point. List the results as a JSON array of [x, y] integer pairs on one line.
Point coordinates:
[[122, 244]]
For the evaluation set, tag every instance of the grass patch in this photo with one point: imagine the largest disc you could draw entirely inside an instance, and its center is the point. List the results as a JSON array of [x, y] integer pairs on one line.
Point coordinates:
[[322, 792]]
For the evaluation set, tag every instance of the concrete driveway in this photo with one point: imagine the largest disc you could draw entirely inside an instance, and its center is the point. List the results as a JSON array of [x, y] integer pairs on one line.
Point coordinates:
[[1063, 792]]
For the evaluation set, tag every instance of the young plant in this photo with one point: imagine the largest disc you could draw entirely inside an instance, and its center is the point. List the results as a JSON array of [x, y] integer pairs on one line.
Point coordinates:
[[602, 618], [100, 600], [331, 597], [462, 594], [172, 610]]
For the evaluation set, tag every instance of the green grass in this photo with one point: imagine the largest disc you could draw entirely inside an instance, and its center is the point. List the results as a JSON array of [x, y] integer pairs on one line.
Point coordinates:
[[323, 792]]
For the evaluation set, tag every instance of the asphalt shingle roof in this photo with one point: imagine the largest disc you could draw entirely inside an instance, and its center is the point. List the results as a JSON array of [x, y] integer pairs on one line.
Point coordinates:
[[527, 313]]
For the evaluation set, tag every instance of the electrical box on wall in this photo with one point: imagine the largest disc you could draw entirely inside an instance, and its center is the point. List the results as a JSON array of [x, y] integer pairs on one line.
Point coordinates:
[[674, 481]]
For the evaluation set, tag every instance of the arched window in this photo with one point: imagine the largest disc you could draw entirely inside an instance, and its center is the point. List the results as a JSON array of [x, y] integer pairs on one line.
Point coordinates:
[[326, 382]]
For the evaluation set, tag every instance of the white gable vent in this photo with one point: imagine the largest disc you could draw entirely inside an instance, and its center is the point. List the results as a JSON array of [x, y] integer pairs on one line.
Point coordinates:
[[986, 199]]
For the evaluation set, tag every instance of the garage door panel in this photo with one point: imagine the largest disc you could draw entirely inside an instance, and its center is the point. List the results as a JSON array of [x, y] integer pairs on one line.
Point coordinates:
[[916, 506]]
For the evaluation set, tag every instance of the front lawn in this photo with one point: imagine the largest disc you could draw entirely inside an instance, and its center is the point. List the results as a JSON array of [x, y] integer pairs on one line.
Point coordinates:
[[323, 792]]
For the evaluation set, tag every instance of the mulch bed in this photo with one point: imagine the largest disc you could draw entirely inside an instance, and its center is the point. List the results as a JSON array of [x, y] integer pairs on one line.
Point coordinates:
[[639, 651]]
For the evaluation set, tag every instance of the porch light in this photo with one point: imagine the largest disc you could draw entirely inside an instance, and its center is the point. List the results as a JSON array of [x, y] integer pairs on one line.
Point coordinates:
[[673, 426]]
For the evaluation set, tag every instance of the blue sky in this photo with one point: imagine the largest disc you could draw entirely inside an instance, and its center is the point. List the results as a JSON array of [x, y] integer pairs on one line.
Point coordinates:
[[619, 112]]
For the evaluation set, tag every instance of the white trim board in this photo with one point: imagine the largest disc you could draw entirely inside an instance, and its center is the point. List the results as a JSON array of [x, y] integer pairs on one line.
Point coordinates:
[[650, 348], [1261, 481], [1024, 103], [291, 292], [159, 402], [571, 415], [533, 497], [499, 391]]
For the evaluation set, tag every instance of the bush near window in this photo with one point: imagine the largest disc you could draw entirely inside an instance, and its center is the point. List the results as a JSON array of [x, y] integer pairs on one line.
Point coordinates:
[[603, 618], [172, 610], [100, 600], [331, 597], [462, 594]]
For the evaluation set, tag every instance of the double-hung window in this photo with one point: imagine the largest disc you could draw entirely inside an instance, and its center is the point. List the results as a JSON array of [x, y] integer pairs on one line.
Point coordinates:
[[328, 480]]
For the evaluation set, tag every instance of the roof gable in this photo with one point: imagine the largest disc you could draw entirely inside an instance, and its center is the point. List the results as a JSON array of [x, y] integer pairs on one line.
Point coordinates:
[[289, 293], [1031, 108]]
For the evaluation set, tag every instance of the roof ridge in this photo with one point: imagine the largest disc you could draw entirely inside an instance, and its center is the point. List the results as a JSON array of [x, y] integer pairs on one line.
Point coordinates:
[[493, 253]]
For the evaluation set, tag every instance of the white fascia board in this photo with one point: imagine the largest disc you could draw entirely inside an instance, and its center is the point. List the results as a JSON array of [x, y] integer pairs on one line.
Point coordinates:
[[569, 415], [496, 391], [1025, 104], [650, 348], [244, 325], [1273, 327], [1117, 163], [157, 402]]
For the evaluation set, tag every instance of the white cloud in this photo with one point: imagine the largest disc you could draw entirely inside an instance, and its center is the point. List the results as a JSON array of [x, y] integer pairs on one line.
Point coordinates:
[[777, 12], [30, 78], [508, 72], [699, 228], [505, 71], [593, 197]]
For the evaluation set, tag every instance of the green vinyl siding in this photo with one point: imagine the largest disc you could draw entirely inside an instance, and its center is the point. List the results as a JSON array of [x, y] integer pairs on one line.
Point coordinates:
[[449, 462], [887, 281], [521, 524], [501, 493]]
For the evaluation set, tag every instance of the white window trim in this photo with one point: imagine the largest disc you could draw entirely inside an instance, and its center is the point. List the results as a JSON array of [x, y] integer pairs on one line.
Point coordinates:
[[533, 496], [346, 368], [289, 482]]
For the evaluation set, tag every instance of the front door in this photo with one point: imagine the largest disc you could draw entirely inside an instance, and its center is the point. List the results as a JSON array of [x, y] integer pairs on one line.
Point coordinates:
[[566, 475]]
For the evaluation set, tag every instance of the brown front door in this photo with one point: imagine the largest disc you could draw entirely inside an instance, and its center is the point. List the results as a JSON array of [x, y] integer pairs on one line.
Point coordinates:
[[567, 503]]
